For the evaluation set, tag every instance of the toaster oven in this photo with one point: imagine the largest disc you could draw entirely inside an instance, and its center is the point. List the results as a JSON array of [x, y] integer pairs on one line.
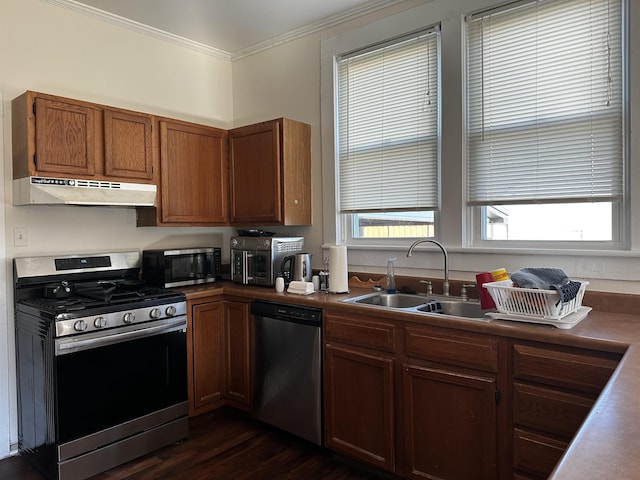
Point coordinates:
[[258, 260]]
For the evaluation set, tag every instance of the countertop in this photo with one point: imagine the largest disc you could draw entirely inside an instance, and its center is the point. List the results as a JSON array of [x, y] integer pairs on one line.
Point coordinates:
[[607, 444]]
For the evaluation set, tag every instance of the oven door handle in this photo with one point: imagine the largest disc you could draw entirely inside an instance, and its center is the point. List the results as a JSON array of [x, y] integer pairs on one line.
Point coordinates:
[[77, 344]]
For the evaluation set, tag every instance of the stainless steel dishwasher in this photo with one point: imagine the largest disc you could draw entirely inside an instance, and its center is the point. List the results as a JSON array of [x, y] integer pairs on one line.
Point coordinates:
[[287, 366]]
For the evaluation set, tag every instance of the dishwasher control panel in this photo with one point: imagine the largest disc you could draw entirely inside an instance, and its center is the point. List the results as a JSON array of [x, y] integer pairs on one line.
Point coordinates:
[[286, 312]]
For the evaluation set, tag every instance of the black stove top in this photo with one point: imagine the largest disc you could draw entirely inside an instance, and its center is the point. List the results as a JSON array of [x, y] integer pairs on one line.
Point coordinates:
[[90, 297], [73, 286], [95, 297]]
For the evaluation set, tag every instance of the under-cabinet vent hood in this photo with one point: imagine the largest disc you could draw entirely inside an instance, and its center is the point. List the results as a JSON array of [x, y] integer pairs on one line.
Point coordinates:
[[68, 191]]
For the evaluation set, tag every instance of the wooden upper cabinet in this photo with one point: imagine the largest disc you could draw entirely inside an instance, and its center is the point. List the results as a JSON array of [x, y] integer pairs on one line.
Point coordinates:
[[128, 144], [270, 173], [61, 137], [193, 166], [65, 140]]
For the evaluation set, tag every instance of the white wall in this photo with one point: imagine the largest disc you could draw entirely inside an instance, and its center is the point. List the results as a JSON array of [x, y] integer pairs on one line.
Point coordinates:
[[47, 48]]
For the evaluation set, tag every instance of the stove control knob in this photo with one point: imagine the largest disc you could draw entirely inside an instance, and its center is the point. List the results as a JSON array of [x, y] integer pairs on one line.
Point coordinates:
[[100, 322], [80, 326], [154, 313], [128, 317], [171, 310]]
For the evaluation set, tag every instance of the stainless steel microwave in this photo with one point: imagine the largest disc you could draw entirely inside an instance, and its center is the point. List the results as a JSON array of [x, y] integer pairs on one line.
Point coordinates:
[[258, 260], [181, 267]]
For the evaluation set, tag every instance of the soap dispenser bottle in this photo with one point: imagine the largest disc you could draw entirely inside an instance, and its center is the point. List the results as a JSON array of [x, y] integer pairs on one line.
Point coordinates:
[[391, 280]]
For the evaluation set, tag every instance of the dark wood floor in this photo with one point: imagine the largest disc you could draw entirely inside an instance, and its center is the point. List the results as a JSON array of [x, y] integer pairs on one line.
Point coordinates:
[[224, 444]]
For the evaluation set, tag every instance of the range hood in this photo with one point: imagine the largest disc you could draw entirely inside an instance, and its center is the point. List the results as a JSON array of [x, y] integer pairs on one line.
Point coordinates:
[[69, 191]]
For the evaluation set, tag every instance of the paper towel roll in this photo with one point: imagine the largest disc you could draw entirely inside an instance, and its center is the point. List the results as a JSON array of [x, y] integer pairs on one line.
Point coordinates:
[[338, 271]]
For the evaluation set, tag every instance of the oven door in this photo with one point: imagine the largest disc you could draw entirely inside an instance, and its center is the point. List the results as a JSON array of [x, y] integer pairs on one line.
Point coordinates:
[[110, 380]]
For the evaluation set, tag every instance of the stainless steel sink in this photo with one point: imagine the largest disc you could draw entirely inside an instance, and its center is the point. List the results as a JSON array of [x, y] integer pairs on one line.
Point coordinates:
[[456, 308], [421, 304], [394, 300]]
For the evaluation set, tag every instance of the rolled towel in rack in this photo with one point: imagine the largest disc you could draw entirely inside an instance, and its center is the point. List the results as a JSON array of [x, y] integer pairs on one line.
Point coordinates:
[[545, 278]]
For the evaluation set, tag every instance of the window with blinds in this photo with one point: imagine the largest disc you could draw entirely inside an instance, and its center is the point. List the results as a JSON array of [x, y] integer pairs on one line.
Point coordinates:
[[545, 112], [388, 135]]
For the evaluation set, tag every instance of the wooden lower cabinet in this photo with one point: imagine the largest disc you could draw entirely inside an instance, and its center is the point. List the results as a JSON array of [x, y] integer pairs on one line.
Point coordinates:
[[218, 354], [449, 424], [359, 384], [237, 353], [359, 408], [449, 409], [205, 349], [535, 455], [417, 401], [552, 391]]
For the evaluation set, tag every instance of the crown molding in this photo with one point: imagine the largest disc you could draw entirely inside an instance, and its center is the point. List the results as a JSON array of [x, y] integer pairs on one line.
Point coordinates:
[[328, 22], [139, 27]]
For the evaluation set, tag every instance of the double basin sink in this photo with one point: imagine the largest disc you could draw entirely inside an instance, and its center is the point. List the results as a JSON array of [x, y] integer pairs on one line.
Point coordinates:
[[433, 304]]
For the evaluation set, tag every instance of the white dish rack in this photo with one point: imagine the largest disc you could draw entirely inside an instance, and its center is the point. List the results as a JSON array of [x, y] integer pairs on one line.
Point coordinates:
[[533, 303]]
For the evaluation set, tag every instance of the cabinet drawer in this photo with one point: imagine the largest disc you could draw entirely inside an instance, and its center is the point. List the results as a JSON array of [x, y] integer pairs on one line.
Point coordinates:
[[580, 370], [360, 331], [462, 348], [548, 410], [535, 453]]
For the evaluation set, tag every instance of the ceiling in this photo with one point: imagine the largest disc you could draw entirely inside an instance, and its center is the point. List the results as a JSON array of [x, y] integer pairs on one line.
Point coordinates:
[[231, 25]]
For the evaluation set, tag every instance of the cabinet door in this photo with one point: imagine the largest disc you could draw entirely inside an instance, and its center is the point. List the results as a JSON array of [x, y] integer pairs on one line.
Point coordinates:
[[207, 356], [193, 163], [238, 385], [359, 407], [449, 424], [128, 149], [254, 157], [65, 137]]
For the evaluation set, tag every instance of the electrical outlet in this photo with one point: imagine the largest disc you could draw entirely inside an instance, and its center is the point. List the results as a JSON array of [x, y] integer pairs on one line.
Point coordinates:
[[20, 237]]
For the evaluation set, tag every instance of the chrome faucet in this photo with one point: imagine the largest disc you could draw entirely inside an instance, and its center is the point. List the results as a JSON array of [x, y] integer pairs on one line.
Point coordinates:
[[445, 284]]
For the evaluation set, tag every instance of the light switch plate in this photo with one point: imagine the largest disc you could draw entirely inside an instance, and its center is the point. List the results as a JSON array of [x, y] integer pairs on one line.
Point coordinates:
[[20, 238]]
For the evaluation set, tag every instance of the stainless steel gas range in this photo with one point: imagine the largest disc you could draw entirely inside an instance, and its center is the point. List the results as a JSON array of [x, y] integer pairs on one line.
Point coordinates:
[[101, 363]]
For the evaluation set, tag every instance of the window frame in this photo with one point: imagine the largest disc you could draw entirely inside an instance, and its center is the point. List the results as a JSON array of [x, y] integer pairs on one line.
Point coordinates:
[[621, 210], [345, 220]]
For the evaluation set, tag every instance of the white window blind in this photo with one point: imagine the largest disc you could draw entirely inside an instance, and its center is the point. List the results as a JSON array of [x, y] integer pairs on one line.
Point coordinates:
[[544, 105], [388, 123]]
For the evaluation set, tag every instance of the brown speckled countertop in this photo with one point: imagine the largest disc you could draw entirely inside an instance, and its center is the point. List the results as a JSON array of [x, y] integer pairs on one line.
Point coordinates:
[[607, 444]]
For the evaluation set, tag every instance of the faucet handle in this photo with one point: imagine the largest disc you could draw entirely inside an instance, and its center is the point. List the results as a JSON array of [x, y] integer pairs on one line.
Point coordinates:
[[463, 290], [429, 286]]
